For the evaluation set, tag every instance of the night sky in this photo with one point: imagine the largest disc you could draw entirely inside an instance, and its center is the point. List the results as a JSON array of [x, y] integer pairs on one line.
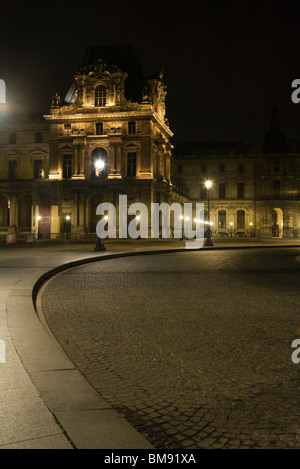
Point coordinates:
[[226, 63]]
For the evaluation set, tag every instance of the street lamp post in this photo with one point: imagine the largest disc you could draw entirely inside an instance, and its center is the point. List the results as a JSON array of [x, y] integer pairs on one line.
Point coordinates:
[[99, 167], [67, 226], [251, 229], [209, 242], [38, 226]]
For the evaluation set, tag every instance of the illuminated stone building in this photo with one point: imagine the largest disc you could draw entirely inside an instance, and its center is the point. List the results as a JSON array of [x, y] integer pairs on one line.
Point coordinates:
[[110, 136], [254, 192], [24, 163]]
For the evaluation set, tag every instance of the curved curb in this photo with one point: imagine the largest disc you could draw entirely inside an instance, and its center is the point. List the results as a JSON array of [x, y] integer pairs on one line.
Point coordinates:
[[45, 373], [51, 273]]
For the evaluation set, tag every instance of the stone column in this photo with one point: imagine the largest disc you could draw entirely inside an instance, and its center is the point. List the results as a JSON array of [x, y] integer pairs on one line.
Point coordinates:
[[81, 158], [75, 163], [13, 213], [161, 165]]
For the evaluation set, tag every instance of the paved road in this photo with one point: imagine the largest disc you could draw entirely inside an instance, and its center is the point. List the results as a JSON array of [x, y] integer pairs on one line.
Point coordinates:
[[194, 348]]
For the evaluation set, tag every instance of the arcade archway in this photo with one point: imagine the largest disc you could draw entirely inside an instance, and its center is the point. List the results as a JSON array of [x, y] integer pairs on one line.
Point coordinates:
[[277, 223]]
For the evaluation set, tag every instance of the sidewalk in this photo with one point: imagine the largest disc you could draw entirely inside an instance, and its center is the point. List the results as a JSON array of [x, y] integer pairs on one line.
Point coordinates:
[[38, 405]]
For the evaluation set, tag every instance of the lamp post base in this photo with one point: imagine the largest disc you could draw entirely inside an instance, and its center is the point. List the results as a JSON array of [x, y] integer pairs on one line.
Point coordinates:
[[100, 246], [208, 242]]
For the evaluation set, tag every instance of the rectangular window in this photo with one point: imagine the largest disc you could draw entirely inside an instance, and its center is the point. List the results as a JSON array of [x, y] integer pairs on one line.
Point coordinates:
[[13, 138], [131, 164], [222, 190], [241, 190], [100, 96], [99, 128], [12, 170], [38, 137], [240, 168], [67, 129], [67, 166], [276, 189], [180, 169], [203, 168], [203, 193], [38, 168], [222, 168], [131, 127], [240, 219], [221, 219]]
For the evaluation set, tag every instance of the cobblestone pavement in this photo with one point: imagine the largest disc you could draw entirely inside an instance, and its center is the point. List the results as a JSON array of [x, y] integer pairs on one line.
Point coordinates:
[[193, 348]]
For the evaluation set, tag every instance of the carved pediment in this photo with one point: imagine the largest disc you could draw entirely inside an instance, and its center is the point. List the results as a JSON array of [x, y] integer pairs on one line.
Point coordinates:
[[100, 68], [278, 168]]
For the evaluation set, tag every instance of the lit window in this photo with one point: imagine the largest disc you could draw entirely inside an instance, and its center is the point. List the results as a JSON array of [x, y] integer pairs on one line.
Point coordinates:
[[221, 219], [240, 219], [100, 96]]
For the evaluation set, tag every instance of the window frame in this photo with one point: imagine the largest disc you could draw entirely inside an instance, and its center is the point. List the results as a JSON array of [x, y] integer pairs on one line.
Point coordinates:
[[100, 96], [132, 157], [13, 138], [38, 137], [223, 186], [12, 170], [99, 125], [224, 216], [240, 190], [238, 219], [132, 127], [67, 168]]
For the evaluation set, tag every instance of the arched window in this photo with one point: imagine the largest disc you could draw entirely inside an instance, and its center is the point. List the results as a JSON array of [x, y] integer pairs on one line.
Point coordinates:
[[221, 219], [240, 219], [100, 96]]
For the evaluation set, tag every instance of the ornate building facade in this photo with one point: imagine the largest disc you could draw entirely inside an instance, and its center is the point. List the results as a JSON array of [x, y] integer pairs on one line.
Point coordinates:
[[110, 136], [254, 192]]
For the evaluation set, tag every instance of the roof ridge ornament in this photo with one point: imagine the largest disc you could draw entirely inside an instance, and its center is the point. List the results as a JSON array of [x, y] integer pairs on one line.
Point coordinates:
[[99, 67]]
